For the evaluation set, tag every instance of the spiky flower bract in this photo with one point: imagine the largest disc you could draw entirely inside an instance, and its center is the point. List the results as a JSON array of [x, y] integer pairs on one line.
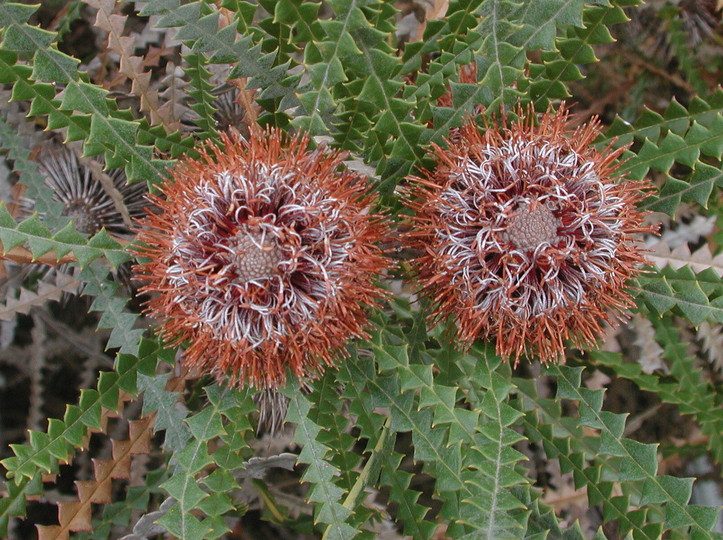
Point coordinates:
[[525, 234], [263, 256], [272, 406]]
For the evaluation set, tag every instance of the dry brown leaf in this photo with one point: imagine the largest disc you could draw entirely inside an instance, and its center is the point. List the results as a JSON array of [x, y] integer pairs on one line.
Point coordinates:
[[45, 293], [597, 381], [650, 356], [132, 66], [689, 231], [437, 10], [432, 12], [681, 256], [712, 337], [76, 516], [22, 255]]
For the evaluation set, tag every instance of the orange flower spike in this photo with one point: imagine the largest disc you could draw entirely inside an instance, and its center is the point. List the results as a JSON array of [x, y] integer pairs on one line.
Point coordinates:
[[263, 256], [526, 235]]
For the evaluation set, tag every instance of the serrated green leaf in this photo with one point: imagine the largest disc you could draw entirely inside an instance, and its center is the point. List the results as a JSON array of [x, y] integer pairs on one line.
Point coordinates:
[[638, 461], [183, 525]]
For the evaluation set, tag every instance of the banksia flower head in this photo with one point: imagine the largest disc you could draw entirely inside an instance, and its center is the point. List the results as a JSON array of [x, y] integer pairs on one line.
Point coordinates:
[[86, 201], [263, 256], [526, 235], [83, 197]]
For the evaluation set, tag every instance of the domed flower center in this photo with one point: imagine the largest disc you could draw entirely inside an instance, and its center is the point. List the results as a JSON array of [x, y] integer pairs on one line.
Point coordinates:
[[256, 255], [83, 215], [530, 227]]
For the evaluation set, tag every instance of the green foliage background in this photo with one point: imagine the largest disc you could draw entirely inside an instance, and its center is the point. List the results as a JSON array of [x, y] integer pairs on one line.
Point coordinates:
[[339, 75]]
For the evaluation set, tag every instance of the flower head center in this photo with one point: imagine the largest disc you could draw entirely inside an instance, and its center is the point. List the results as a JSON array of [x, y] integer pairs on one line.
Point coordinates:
[[256, 255], [531, 226], [83, 215]]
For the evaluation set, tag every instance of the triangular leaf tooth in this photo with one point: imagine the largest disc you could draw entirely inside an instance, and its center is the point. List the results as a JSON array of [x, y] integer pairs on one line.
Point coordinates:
[[51, 65], [183, 525], [677, 517], [653, 530], [192, 458], [40, 246], [206, 424], [32, 226], [74, 431], [643, 462], [217, 504], [657, 294], [103, 240], [85, 98], [705, 517], [89, 403]]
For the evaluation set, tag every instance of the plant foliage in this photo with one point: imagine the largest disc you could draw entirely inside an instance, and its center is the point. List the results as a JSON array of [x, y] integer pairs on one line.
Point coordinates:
[[408, 432]]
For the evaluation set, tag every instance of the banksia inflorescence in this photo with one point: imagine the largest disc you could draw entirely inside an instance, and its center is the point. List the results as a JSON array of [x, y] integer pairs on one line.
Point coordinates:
[[526, 235], [263, 256], [83, 197], [86, 201]]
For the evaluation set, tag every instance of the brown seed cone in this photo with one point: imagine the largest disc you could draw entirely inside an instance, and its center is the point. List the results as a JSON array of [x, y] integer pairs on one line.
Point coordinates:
[[263, 256], [526, 234]]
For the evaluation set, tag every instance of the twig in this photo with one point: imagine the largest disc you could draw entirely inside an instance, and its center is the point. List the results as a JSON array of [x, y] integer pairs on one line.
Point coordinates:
[[23, 255], [660, 72]]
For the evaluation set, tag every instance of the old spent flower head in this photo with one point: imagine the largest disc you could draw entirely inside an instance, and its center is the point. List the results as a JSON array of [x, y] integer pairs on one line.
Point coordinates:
[[83, 197], [85, 200], [263, 256], [233, 110], [526, 235]]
